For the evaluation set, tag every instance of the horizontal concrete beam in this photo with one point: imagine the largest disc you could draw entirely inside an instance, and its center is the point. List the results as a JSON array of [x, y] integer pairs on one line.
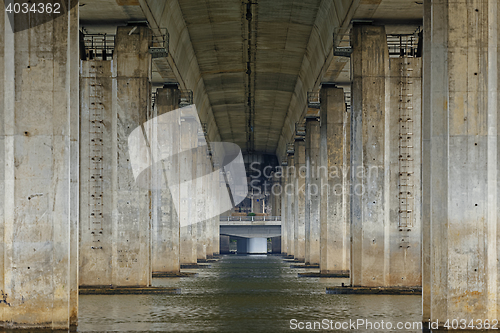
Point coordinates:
[[251, 231]]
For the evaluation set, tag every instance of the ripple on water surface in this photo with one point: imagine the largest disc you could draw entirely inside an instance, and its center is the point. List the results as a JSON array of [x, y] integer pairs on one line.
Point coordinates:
[[240, 294]]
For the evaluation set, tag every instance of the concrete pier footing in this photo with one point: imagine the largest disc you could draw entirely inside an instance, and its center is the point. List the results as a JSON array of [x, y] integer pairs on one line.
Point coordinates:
[[374, 290]]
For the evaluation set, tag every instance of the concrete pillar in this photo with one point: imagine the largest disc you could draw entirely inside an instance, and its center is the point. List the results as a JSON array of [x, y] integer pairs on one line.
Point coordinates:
[[257, 245], [335, 153], [38, 171], [209, 223], [114, 210], [216, 206], [224, 244], [165, 223], [290, 202], [385, 193], [276, 244], [460, 160], [188, 171], [299, 200], [201, 196], [284, 216], [275, 195], [312, 190]]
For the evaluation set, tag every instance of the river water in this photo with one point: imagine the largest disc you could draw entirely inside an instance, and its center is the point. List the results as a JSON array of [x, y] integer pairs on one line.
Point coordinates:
[[246, 294]]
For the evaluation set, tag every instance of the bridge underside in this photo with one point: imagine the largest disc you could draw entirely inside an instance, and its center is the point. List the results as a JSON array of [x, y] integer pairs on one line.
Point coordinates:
[[381, 115]]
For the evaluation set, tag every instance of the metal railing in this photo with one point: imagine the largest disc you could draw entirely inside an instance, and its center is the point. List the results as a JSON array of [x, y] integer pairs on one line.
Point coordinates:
[[404, 45], [250, 218], [99, 46]]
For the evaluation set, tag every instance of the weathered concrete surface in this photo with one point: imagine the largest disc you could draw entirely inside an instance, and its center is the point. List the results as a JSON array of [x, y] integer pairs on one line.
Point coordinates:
[[335, 153], [460, 175], [299, 200], [275, 195], [283, 209], [114, 210], [209, 223], [38, 173], [290, 202], [216, 190], [385, 248], [188, 172], [165, 226], [405, 159], [201, 195], [312, 192]]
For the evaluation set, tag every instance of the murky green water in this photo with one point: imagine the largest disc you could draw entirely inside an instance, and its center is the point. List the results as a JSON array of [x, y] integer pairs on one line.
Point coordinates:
[[242, 294]]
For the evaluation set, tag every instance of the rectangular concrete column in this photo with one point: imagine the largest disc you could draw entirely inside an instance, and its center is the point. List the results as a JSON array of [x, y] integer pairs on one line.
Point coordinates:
[[188, 172], [284, 216], [335, 153], [290, 203], [209, 223], [300, 200], [115, 210], [38, 170], [275, 194], [216, 208], [385, 193], [460, 160], [165, 227], [312, 191], [201, 195]]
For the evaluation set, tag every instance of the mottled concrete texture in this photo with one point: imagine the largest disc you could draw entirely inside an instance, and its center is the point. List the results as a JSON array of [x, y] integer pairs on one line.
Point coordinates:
[[386, 240], [115, 212], [334, 212], [165, 230], [299, 212], [460, 161], [39, 173]]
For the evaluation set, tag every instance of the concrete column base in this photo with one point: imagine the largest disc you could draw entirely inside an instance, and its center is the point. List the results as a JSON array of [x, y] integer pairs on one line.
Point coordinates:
[[106, 290], [173, 274], [344, 290], [194, 266], [306, 265], [325, 275]]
